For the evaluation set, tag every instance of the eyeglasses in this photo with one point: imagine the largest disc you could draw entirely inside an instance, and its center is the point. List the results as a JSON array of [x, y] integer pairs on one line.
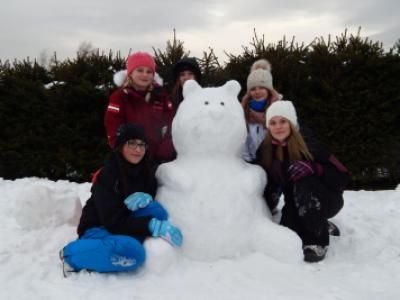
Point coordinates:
[[132, 144]]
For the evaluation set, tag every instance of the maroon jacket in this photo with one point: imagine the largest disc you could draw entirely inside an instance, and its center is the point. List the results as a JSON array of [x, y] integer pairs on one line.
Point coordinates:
[[129, 106]]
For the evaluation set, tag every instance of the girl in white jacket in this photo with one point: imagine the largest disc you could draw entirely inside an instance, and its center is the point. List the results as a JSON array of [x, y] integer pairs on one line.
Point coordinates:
[[260, 95]]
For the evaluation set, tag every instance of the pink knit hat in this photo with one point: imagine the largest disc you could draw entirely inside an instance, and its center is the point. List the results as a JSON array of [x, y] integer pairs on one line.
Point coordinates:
[[140, 59]]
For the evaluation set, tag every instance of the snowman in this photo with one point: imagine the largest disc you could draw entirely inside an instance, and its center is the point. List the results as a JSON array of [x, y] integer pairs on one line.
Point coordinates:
[[210, 192]]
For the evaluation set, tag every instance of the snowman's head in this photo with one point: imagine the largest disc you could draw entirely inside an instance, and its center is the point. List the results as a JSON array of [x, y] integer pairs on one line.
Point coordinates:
[[209, 121]]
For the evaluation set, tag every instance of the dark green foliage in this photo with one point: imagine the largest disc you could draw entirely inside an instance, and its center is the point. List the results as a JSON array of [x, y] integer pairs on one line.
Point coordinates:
[[346, 90], [55, 132], [166, 60]]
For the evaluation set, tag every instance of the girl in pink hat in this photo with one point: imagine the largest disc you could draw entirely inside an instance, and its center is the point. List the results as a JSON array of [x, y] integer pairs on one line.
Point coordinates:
[[141, 100]]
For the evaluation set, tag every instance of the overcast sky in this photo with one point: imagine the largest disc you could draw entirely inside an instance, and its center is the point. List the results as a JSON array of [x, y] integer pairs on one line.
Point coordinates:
[[39, 27]]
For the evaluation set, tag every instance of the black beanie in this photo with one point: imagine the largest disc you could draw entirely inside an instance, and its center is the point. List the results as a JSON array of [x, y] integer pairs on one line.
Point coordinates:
[[127, 132], [187, 64]]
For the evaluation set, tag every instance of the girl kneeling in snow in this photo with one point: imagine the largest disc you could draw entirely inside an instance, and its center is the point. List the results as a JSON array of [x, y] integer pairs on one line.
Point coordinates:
[[309, 176], [121, 211]]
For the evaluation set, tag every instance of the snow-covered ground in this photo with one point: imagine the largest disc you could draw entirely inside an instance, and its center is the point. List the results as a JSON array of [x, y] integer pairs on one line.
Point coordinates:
[[37, 217]]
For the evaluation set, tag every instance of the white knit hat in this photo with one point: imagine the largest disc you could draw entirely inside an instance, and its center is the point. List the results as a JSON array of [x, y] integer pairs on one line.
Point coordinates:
[[284, 109], [260, 75]]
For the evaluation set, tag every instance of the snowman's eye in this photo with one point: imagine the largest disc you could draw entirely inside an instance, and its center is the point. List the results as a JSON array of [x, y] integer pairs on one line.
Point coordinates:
[[206, 102], [222, 103]]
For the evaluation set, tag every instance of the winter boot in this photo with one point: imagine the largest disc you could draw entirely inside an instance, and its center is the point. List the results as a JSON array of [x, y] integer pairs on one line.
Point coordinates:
[[333, 229], [314, 253]]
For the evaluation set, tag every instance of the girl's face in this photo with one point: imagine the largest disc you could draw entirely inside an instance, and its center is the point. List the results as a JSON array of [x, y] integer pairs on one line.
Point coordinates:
[[279, 127], [186, 75], [142, 77], [134, 150], [259, 93]]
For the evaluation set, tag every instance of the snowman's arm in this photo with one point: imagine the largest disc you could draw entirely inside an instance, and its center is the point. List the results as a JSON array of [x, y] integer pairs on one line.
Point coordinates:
[[253, 177], [173, 177]]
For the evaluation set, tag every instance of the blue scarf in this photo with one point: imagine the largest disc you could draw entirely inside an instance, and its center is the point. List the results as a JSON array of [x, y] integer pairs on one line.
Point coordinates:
[[258, 105]]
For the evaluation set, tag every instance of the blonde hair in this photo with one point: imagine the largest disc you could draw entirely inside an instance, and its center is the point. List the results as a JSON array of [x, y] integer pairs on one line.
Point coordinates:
[[296, 146], [129, 83]]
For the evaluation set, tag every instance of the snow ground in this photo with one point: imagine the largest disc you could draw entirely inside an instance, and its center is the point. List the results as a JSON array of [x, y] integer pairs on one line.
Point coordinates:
[[37, 217]]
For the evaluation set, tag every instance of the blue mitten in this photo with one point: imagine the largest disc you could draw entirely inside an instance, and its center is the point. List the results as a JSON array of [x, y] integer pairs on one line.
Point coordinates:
[[167, 231], [138, 200]]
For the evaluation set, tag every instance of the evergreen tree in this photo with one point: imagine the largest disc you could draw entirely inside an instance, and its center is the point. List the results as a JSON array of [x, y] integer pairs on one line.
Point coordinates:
[[166, 60], [345, 89]]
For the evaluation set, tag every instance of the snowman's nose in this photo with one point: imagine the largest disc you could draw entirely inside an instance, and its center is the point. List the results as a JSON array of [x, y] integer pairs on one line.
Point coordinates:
[[216, 114]]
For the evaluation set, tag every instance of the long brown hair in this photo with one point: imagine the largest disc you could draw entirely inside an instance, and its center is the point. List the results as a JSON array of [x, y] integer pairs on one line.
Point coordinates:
[[296, 147], [177, 96]]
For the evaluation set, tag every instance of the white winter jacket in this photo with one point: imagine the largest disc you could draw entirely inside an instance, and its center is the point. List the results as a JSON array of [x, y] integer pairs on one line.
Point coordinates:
[[255, 137]]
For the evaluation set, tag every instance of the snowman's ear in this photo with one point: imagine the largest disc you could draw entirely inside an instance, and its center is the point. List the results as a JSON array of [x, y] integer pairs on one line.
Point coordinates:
[[233, 87], [189, 87]]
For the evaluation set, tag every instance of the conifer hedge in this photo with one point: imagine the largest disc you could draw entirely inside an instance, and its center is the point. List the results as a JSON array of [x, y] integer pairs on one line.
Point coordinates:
[[346, 89]]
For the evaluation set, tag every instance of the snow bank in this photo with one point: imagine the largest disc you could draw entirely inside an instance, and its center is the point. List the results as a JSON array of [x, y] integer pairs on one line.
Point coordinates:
[[363, 263], [39, 206]]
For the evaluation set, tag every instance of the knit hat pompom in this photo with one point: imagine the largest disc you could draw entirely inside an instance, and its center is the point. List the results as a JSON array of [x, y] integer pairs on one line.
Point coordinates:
[[260, 75], [261, 64]]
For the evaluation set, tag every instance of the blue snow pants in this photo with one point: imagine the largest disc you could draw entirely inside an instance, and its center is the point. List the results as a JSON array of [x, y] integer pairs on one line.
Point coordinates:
[[100, 251]]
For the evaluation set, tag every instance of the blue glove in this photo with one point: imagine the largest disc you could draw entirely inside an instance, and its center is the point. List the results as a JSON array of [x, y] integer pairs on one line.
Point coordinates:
[[300, 169], [167, 231], [138, 200]]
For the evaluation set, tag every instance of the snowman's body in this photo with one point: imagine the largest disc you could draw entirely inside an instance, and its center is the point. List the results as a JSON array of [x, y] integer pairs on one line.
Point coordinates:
[[209, 191]]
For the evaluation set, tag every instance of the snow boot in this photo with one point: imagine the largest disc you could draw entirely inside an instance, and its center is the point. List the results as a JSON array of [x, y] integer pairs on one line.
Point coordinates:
[[314, 253], [333, 229]]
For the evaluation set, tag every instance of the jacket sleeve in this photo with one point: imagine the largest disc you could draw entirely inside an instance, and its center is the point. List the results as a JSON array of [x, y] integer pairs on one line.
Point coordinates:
[[113, 213], [335, 175], [114, 115], [151, 187], [165, 150]]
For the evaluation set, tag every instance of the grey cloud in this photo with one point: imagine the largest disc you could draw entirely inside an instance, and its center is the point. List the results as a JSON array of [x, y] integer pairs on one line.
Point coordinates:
[[27, 27], [382, 13]]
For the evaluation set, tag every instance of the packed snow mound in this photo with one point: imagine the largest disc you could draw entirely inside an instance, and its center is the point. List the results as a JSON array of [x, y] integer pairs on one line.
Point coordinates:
[[365, 255], [209, 191], [39, 206]]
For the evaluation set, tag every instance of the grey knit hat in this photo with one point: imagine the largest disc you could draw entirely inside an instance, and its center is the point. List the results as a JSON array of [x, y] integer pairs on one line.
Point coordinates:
[[260, 75]]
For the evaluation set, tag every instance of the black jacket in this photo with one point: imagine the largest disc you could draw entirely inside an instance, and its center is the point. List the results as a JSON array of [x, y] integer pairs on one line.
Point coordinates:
[[334, 175], [106, 208]]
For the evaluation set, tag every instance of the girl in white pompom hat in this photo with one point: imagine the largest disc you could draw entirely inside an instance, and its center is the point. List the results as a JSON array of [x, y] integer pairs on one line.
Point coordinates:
[[260, 95]]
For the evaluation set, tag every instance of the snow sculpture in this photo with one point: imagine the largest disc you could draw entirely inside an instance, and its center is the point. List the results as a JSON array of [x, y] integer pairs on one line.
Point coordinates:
[[209, 191], [39, 206]]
